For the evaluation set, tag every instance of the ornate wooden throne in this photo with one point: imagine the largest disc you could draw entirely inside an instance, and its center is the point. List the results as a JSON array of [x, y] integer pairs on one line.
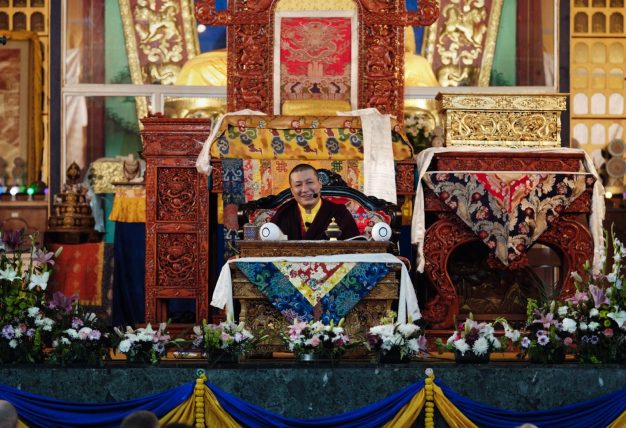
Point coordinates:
[[180, 238]]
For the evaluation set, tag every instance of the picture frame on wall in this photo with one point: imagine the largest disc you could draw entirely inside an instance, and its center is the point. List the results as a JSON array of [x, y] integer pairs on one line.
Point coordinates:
[[21, 90]]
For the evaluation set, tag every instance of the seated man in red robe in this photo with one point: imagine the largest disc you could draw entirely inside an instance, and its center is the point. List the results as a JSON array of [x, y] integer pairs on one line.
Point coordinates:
[[308, 215]]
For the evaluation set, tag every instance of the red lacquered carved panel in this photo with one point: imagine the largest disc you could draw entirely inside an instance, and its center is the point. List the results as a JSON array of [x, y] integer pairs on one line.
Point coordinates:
[[177, 260], [176, 194]]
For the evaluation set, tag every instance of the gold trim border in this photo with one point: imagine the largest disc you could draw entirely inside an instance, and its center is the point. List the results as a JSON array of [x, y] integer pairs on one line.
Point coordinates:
[[133, 59], [490, 43]]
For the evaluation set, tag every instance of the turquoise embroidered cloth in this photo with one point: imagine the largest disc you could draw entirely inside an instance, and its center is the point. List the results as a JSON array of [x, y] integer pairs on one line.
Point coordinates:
[[324, 291]]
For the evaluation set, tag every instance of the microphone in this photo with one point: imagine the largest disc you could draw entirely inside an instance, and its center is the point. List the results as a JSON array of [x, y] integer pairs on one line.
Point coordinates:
[[315, 195]]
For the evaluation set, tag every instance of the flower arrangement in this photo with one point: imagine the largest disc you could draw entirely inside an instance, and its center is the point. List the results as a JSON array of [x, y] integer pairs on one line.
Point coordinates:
[[22, 341], [391, 337], [546, 338], [78, 337], [591, 324], [317, 338], [597, 312], [474, 338], [421, 130], [144, 345], [24, 327], [220, 341], [23, 282]]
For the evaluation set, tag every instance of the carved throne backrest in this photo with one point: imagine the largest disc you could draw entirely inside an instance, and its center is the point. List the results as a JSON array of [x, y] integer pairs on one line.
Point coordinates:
[[252, 62], [366, 210]]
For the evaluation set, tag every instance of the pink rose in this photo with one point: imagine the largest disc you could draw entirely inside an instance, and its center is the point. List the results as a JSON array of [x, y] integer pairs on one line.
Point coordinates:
[[567, 341], [608, 332], [315, 341]]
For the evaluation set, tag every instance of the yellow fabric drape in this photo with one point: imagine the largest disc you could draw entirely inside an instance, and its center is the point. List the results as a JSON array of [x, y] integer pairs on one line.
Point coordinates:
[[449, 411], [183, 414], [314, 107], [214, 414], [129, 206], [21, 424], [129, 210], [409, 412]]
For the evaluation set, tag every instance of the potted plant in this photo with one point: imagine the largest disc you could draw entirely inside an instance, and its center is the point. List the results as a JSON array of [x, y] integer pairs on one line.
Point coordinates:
[[546, 338], [144, 345], [396, 342], [473, 342], [78, 338], [24, 327], [310, 341], [596, 314], [226, 342]]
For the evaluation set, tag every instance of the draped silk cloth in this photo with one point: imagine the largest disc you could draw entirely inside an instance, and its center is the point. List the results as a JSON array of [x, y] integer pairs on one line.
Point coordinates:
[[424, 158], [507, 211], [407, 305], [307, 291]]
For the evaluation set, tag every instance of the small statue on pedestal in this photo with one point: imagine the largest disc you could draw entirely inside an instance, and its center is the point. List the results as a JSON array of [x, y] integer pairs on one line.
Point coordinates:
[[19, 171]]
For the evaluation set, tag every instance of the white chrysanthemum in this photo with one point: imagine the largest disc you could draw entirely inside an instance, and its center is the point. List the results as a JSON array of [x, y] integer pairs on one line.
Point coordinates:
[[72, 333], [384, 330], [65, 341], [593, 326], [32, 312], [612, 277], [124, 346], [48, 324], [461, 346], [582, 326], [413, 345], [18, 333], [563, 310], [407, 329], [481, 346], [13, 343], [569, 325], [593, 312], [495, 342], [486, 330], [512, 334]]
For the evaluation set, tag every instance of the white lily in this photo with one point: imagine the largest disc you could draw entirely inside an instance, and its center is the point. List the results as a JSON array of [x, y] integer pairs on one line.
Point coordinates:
[[8, 274], [618, 317], [39, 280]]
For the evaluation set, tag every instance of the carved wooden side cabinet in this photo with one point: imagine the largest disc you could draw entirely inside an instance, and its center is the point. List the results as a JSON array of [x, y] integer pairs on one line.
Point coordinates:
[[177, 216]]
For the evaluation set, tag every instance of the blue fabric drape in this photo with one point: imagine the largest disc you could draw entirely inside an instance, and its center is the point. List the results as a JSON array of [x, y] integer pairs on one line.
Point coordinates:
[[39, 411], [374, 415], [129, 278], [598, 412]]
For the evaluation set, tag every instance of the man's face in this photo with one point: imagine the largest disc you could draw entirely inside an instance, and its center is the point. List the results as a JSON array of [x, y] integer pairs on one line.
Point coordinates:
[[305, 187]]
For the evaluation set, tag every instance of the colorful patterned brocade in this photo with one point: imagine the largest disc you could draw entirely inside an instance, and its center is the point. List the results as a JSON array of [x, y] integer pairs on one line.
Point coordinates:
[[309, 290], [298, 137], [508, 211]]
